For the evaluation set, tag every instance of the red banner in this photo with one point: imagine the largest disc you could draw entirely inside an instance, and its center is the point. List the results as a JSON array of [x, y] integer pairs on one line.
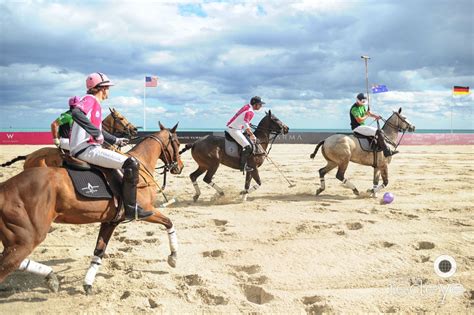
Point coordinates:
[[26, 138]]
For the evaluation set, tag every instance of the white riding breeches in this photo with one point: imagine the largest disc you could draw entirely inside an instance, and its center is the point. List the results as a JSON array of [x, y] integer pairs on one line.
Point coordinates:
[[238, 136], [64, 144], [366, 130], [97, 155]]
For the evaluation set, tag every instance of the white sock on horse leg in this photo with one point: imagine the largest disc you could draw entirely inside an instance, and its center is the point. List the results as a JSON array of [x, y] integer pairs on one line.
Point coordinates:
[[348, 184], [196, 188], [173, 238], [378, 188], [253, 188], [34, 267], [323, 183], [96, 261], [217, 188]]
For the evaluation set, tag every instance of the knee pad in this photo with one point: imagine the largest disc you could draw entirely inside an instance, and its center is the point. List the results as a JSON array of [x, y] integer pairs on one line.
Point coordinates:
[[247, 149], [130, 169]]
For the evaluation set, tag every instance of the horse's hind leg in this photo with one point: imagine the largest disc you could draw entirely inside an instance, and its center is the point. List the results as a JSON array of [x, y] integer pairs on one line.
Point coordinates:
[[341, 170], [208, 179], [194, 176], [105, 232], [322, 172], [14, 258]]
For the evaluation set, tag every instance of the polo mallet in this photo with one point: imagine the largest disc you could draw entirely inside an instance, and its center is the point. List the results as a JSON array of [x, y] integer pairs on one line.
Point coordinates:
[[271, 161]]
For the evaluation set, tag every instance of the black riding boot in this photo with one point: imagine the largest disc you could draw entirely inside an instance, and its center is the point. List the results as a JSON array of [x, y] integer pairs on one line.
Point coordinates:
[[246, 152], [129, 191], [383, 145]]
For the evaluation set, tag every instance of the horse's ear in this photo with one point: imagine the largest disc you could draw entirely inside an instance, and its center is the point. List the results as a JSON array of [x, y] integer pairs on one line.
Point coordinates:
[[173, 130], [161, 126], [111, 110], [400, 110], [270, 113]]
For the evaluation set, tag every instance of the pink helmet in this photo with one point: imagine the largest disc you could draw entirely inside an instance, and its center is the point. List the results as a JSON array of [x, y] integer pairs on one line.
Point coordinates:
[[73, 101], [97, 79]]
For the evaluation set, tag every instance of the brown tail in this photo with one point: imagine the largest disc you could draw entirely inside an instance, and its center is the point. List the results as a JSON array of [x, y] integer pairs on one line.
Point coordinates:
[[18, 158], [316, 150], [186, 148]]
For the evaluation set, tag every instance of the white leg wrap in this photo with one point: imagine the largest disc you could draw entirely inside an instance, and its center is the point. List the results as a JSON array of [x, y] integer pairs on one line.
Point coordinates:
[[173, 238], [378, 188], [323, 183], [196, 188], [34, 267], [253, 188], [217, 188], [93, 269], [348, 184]]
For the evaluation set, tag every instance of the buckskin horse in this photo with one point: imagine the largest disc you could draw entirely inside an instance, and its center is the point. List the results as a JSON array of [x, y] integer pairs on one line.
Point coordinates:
[[339, 150], [209, 153], [38, 196], [115, 123]]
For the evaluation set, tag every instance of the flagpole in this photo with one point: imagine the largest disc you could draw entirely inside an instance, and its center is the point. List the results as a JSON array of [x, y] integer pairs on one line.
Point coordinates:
[[452, 114], [144, 107]]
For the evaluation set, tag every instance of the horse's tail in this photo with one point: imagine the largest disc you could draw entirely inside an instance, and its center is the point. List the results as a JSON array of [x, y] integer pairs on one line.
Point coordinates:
[[316, 150], [18, 158], [186, 148]]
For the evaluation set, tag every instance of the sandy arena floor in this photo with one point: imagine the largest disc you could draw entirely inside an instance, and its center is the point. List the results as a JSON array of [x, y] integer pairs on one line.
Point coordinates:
[[283, 251]]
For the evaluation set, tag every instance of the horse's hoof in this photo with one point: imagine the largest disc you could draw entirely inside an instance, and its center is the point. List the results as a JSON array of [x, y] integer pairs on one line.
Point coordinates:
[[243, 192], [319, 191], [355, 191], [195, 198], [52, 282], [173, 259], [245, 196], [87, 289]]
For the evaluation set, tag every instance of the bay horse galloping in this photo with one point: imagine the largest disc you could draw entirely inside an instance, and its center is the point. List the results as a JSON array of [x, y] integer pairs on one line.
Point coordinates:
[[209, 153], [339, 150], [115, 124], [38, 196]]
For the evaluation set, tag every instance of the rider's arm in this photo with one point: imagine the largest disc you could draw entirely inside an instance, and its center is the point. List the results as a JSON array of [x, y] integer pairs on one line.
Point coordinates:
[[55, 129], [247, 118], [81, 119], [108, 137]]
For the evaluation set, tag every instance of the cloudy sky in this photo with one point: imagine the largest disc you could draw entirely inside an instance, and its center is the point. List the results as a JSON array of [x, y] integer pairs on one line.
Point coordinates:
[[211, 57]]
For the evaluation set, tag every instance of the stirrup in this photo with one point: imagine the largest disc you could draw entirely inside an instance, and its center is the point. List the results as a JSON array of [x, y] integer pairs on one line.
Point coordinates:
[[138, 213]]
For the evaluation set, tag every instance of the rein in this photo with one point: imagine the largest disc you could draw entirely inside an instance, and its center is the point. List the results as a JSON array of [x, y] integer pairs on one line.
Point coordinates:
[[271, 140], [394, 127]]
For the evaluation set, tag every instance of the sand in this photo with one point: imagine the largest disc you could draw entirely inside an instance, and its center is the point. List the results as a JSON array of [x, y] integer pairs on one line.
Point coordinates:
[[283, 251]]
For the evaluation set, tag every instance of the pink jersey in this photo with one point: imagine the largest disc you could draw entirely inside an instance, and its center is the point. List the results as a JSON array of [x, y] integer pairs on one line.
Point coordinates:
[[79, 138], [242, 118]]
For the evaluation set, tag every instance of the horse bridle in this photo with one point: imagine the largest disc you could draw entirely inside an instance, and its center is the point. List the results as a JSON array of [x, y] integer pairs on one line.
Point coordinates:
[[166, 156], [126, 126], [403, 130], [273, 132]]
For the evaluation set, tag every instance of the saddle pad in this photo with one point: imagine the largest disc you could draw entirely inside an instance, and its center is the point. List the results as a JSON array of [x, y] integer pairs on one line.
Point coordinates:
[[90, 184], [369, 146], [232, 148]]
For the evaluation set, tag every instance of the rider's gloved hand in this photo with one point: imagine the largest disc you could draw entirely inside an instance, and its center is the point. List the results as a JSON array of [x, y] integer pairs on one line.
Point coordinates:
[[56, 142], [122, 141], [99, 139]]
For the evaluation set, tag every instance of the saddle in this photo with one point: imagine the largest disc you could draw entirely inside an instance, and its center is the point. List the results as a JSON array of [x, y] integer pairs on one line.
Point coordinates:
[[234, 149], [367, 143], [94, 182]]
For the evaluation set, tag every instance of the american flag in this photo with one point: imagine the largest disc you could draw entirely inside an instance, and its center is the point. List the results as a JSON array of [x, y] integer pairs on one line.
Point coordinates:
[[151, 81]]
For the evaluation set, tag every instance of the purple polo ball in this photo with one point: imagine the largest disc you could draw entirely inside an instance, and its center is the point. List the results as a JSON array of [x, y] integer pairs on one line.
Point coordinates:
[[388, 197]]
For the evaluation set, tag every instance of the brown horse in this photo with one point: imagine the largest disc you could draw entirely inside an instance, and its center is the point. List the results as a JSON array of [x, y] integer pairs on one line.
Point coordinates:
[[339, 150], [33, 199], [209, 153], [115, 123]]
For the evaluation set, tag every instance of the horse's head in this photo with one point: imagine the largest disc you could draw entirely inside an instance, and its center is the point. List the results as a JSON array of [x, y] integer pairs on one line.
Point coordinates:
[[273, 124], [400, 122], [170, 151], [116, 124]]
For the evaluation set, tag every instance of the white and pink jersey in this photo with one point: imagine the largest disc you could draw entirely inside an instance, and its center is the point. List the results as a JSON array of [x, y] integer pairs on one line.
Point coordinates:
[[242, 118], [79, 138]]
